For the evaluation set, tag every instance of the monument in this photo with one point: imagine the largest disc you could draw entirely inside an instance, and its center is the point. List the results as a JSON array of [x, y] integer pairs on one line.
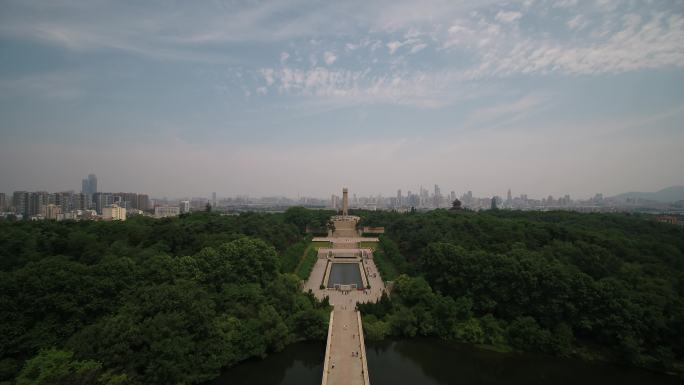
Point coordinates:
[[345, 202]]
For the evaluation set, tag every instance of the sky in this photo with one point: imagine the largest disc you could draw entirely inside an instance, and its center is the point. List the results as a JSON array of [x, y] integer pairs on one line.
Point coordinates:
[[301, 98]]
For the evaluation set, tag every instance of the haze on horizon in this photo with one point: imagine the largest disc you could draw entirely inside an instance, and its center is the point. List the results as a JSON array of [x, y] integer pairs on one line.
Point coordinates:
[[304, 97]]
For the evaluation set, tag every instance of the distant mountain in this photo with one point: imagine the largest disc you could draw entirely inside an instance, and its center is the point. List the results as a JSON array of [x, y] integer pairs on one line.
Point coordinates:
[[666, 195]]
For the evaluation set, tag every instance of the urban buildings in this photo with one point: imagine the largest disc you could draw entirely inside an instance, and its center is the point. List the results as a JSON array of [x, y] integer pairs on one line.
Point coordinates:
[[89, 185], [184, 207], [114, 213], [52, 211], [166, 211]]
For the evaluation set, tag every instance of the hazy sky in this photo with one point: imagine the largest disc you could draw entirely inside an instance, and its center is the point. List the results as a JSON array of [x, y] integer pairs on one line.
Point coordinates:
[[182, 98]]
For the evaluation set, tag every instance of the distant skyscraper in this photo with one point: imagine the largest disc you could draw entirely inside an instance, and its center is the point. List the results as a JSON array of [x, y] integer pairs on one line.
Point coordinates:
[[184, 207], [89, 185], [143, 202], [3, 202], [37, 202], [102, 200], [88, 188], [399, 198], [20, 201], [509, 197], [437, 198], [213, 199]]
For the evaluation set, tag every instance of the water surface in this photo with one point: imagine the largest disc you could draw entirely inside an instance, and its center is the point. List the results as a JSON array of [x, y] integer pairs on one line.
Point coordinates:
[[434, 362], [345, 274]]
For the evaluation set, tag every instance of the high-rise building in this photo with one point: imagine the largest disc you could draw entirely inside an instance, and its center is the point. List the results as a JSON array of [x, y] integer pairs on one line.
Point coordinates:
[[184, 207], [20, 201], [37, 202], [65, 200], [89, 185], [213, 199], [437, 198], [88, 188], [3, 202], [143, 202], [52, 211], [509, 197], [114, 213], [102, 200], [399, 199], [81, 201]]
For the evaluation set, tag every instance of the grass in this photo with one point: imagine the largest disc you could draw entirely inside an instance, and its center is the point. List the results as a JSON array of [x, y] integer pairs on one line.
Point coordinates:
[[307, 263], [320, 244], [387, 270], [368, 245]]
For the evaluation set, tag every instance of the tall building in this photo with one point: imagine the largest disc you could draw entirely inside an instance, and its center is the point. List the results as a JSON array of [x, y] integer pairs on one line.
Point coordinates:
[[89, 185], [37, 202], [81, 201], [20, 201], [509, 197], [65, 200], [184, 207], [114, 213], [399, 199], [52, 211], [437, 198], [143, 202], [213, 199], [102, 200], [3, 202]]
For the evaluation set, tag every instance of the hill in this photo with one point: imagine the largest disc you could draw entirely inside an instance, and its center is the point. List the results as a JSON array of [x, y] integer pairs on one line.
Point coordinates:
[[666, 195]]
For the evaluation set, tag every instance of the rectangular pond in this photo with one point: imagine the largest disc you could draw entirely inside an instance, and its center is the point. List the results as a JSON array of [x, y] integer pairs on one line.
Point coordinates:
[[345, 274]]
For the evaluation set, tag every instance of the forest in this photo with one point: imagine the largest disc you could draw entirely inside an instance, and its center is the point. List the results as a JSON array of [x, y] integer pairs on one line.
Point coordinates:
[[147, 301], [173, 301], [595, 286]]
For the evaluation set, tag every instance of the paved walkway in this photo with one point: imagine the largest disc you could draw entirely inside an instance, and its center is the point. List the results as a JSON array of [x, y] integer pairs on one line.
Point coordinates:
[[354, 296], [346, 355]]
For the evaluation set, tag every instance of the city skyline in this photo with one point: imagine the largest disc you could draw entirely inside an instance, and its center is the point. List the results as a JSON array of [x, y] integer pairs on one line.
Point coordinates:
[[300, 97], [90, 183]]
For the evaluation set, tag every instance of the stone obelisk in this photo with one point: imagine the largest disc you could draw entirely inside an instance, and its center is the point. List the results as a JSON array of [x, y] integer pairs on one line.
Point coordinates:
[[345, 202]]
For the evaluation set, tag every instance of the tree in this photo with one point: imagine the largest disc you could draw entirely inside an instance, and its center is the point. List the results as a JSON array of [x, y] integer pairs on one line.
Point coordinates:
[[55, 367]]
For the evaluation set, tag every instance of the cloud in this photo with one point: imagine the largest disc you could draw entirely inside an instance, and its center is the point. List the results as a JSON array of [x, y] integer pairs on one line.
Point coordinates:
[[393, 46], [418, 47], [329, 57], [576, 23], [508, 17], [357, 87], [507, 112]]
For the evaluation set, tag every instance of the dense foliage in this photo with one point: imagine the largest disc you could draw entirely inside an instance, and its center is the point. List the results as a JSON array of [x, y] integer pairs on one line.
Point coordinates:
[[147, 301], [607, 285]]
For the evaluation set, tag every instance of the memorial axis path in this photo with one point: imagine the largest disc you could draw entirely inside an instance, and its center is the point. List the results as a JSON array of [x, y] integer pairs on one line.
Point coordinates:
[[345, 354]]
